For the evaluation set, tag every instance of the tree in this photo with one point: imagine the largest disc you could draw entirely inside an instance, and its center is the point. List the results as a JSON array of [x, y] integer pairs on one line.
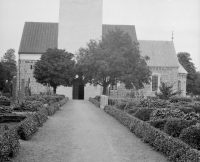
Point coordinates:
[[113, 59], [9, 64], [166, 91], [2, 77], [185, 60], [55, 68], [197, 88]]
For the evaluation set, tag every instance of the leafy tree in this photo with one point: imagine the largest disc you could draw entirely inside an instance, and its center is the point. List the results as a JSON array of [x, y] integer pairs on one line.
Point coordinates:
[[185, 60], [9, 64], [166, 91], [113, 59], [2, 77], [55, 68], [197, 87]]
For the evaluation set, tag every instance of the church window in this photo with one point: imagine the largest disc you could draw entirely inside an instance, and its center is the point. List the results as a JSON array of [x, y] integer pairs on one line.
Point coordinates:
[[179, 85], [154, 83]]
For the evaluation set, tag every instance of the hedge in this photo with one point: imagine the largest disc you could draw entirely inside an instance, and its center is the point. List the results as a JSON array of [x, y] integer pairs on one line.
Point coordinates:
[[95, 102], [174, 148]]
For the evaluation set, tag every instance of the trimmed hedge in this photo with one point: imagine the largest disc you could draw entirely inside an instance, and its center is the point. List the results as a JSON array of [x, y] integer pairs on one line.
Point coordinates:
[[176, 149], [95, 102]]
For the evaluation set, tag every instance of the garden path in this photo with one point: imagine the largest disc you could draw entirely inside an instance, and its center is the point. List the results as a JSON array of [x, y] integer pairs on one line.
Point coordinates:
[[81, 132]]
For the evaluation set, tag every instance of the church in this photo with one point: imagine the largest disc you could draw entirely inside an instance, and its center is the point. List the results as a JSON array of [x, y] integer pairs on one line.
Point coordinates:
[[80, 21]]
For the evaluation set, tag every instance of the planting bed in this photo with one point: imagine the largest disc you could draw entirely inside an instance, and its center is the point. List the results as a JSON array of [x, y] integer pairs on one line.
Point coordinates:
[[173, 129], [14, 126]]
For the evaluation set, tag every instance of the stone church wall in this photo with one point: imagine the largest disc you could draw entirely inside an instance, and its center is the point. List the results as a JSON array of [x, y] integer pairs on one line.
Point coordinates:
[[166, 74], [26, 72]]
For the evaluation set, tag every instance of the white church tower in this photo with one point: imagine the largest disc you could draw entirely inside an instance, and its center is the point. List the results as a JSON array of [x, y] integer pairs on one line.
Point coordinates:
[[79, 21]]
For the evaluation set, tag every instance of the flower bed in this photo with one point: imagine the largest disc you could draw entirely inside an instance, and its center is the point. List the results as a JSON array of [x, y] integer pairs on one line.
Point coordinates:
[[174, 148]]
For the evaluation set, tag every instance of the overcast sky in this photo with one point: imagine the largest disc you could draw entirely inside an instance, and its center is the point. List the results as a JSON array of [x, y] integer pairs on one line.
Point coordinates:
[[154, 20]]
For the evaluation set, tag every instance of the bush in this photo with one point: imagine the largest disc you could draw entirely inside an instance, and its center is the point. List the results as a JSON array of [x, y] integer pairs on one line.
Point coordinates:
[[166, 113], [158, 123], [173, 127], [9, 145], [120, 106], [179, 99], [191, 136], [196, 108], [132, 110], [197, 98], [144, 113], [174, 148], [192, 116], [27, 128], [97, 98], [186, 109], [95, 102]]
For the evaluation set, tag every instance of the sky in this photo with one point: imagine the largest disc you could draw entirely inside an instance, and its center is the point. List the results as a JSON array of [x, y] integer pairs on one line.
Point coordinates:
[[153, 19]]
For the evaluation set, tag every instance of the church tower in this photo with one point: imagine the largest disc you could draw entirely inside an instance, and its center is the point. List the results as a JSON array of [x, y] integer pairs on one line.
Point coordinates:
[[79, 21]]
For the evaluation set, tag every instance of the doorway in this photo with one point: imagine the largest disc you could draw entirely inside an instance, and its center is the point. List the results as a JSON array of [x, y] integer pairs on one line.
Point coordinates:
[[78, 92]]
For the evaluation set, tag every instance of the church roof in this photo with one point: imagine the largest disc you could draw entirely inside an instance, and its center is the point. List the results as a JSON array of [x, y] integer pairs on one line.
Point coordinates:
[[130, 29], [161, 53], [181, 69], [37, 37]]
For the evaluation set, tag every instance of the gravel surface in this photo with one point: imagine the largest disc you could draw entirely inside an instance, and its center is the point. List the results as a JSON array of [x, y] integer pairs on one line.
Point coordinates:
[[81, 132]]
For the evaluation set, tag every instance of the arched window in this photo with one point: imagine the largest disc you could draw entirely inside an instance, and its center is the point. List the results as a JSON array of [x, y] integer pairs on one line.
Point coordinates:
[[154, 82]]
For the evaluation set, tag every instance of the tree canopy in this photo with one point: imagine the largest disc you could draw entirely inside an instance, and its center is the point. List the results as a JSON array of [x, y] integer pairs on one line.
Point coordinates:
[[9, 64], [113, 59], [55, 67], [185, 60]]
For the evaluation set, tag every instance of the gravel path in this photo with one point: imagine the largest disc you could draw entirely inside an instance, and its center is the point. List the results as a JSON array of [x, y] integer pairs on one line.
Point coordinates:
[[81, 132]]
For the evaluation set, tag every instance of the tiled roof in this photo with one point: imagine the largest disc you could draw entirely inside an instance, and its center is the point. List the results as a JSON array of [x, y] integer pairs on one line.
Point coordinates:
[[161, 53], [37, 37], [130, 29], [181, 69]]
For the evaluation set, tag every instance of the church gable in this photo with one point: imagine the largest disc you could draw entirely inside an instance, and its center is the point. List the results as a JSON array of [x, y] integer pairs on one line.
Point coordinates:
[[161, 53], [37, 37]]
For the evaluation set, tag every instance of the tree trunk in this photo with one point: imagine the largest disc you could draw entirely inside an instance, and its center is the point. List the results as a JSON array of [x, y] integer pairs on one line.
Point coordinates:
[[54, 89], [104, 90]]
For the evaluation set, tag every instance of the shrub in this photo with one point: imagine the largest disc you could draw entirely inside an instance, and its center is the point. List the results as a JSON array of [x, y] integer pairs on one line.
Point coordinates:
[[197, 98], [178, 99], [186, 109], [9, 145], [196, 108], [120, 106], [166, 113], [191, 136], [132, 110], [192, 116], [174, 126], [166, 91], [97, 98], [144, 113], [27, 128], [95, 102], [158, 123], [41, 116]]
